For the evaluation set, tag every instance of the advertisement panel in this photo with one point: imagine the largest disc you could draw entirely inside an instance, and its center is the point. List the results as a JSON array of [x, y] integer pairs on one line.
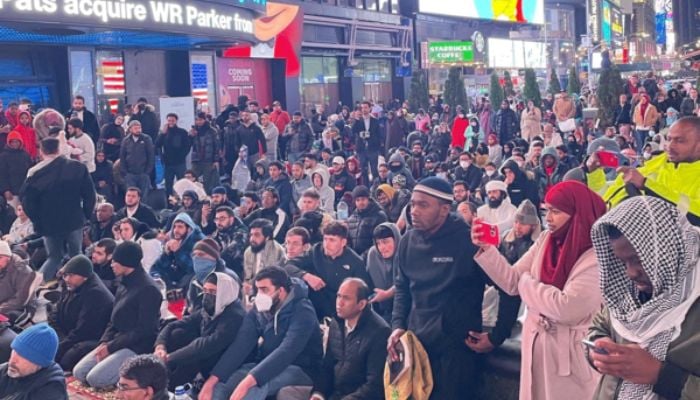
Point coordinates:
[[450, 52], [242, 76], [521, 11], [605, 27], [506, 53]]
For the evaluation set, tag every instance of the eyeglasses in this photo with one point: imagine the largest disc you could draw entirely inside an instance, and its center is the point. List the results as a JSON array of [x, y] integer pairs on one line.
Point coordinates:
[[124, 388]]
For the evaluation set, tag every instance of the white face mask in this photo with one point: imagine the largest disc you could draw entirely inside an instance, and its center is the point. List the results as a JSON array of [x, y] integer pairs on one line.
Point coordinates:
[[646, 155], [465, 164], [441, 175], [490, 172], [263, 302]]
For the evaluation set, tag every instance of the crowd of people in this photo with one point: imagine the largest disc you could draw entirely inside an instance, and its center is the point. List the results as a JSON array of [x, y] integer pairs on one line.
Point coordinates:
[[366, 254]]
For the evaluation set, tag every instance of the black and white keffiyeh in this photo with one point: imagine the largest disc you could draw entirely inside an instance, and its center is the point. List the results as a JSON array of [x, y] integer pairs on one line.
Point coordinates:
[[668, 247]]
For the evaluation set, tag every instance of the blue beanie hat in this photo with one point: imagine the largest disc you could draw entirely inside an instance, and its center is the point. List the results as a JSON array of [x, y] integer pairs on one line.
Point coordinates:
[[435, 187], [38, 344]]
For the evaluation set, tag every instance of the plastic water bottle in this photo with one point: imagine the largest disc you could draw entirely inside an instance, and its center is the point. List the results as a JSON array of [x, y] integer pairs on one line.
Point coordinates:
[[342, 211], [181, 393]]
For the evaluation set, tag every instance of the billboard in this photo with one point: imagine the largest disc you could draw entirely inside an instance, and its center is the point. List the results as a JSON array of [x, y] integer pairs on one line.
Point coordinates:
[[450, 52], [506, 53], [519, 11]]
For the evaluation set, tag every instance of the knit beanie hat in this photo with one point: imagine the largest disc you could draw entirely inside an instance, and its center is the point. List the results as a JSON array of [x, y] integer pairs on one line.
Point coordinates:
[[79, 265], [38, 344], [435, 187], [209, 246], [360, 191], [5, 249], [527, 213], [128, 254], [388, 190], [219, 190]]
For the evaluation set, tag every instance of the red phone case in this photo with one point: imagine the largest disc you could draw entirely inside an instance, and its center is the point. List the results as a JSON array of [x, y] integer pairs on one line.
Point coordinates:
[[608, 159], [490, 233]]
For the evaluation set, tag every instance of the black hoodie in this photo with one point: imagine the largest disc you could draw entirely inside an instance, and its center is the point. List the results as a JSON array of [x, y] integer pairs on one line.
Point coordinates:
[[175, 144], [522, 187]]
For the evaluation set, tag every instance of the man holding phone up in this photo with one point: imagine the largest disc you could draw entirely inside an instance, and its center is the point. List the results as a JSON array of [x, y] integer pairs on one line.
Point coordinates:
[[439, 290], [646, 340]]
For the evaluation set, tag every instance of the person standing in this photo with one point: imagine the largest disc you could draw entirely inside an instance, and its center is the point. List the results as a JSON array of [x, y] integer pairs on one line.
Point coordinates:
[[14, 165], [271, 134], [439, 290], [530, 121], [281, 119], [146, 114], [299, 137], [250, 135], [369, 141], [557, 279], [174, 144], [88, 119], [505, 123], [58, 196], [644, 117], [137, 158], [206, 149]]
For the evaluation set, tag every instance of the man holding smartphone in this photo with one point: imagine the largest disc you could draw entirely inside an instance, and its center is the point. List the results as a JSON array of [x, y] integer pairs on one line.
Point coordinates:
[[439, 290], [646, 340]]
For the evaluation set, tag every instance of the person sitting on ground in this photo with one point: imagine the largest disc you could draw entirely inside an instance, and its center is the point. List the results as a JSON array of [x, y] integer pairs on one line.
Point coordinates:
[[232, 237], [367, 216], [646, 336], [194, 344], [263, 252], [101, 227], [144, 376], [381, 260], [498, 210], [353, 366], [16, 278], [175, 264], [206, 259], [134, 208], [82, 312], [133, 326], [32, 372], [101, 258], [313, 217], [290, 352], [131, 230], [271, 211]]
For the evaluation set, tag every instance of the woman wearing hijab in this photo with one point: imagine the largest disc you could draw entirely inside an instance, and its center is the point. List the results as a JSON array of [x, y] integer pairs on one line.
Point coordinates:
[[558, 281]]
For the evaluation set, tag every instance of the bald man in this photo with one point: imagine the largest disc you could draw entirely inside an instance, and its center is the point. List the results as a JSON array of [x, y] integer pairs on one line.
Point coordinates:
[[672, 176], [101, 226]]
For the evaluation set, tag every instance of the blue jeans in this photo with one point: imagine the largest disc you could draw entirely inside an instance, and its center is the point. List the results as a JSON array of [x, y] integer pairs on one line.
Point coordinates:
[[170, 173], [640, 139], [141, 181], [55, 251], [102, 374], [291, 376]]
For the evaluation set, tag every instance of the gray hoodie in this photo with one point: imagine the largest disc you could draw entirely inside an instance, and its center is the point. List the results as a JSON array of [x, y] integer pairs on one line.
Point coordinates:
[[382, 270]]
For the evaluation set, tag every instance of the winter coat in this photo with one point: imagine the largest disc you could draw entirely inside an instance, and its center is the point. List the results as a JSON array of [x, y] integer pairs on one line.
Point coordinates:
[[398, 129], [299, 137], [398, 159], [252, 137], [439, 144], [47, 383], [382, 271], [14, 165], [135, 316], [15, 281], [272, 255], [530, 124], [361, 225], [290, 336], [375, 140], [523, 187], [553, 365], [137, 156], [471, 176], [284, 188], [90, 125], [143, 214], [83, 314], [298, 188], [459, 127], [648, 120], [505, 125], [111, 131], [353, 365], [679, 377], [280, 221], [175, 268], [443, 302], [622, 114], [326, 192], [564, 109], [280, 119], [271, 134], [29, 140], [149, 121], [341, 183], [210, 334], [545, 180], [205, 145], [175, 144], [59, 197], [233, 242]]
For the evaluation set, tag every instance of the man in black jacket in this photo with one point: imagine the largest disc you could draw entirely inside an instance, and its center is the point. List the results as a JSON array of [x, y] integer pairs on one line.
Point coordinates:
[[353, 367], [272, 211], [146, 115], [175, 144], [90, 125], [439, 290], [369, 140], [32, 372], [82, 313], [249, 134], [195, 343], [58, 196], [206, 148], [135, 209], [467, 172], [505, 123], [366, 216], [137, 158], [101, 258], [134, 323]]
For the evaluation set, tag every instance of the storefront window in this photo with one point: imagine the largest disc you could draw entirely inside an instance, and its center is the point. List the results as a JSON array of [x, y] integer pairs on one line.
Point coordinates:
[[371, 5], [202, 81], [82, 76], [376, 74], [384, 6], [319, 84], [394, 6]]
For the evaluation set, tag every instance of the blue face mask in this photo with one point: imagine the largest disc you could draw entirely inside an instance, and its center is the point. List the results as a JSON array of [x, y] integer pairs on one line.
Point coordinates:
[[202, 268]]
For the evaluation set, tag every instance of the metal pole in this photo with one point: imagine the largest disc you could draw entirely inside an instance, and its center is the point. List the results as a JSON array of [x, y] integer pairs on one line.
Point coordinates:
[[589, 48]]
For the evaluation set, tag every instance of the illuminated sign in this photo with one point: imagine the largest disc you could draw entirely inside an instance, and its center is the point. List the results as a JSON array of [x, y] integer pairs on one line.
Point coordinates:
[[593, 20], [450, 52], [522, 11], [506, 53], [212, 19]]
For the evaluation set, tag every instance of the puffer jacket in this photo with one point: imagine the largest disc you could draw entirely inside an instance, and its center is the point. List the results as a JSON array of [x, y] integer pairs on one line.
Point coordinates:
[[14, 165], [15, 281], [300, 137], [544, 180], [137, 156], [361, 224], [206, 145]]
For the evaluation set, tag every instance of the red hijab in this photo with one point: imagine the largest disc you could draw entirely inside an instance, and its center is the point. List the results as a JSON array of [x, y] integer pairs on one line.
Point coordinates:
[[570, 241]]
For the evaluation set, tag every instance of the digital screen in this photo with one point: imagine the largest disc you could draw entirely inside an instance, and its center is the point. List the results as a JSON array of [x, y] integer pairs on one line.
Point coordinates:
[[520, 11], [506, 53]]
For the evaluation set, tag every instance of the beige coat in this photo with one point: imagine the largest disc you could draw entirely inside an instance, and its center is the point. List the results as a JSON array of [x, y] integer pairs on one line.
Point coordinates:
[[531, 123], [553, 364], [564, 109], [648, 120]]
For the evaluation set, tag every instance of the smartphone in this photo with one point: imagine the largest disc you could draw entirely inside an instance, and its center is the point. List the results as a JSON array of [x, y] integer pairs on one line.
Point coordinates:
[[490, 233], [593, 347], [608, 159]]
